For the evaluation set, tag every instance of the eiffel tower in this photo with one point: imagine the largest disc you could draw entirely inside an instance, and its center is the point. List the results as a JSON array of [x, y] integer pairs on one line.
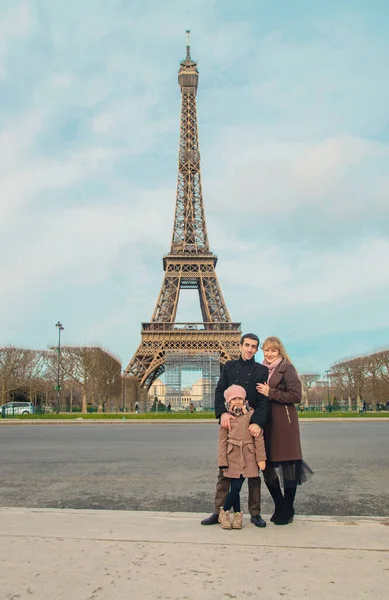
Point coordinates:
[[189, 264]]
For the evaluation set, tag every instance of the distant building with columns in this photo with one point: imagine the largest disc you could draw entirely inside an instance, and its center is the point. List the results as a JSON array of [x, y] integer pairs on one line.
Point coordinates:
[[193, 394]]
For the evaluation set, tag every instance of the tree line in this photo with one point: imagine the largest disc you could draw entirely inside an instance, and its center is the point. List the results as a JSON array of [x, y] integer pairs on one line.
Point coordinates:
[[351, 383], [89, 378], [362, 379]]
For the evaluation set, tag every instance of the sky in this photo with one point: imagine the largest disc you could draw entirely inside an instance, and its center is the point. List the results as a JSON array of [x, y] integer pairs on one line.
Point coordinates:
[[294, 135]]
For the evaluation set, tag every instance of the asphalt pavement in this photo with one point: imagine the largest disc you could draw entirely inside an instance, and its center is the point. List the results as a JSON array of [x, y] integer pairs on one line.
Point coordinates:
[[172, 467]]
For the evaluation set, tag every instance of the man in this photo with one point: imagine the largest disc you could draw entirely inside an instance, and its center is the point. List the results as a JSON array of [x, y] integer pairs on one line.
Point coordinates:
[[247, 373]]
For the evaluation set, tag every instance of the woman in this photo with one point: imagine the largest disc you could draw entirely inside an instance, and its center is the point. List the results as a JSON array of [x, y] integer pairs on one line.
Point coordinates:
[[282, 434]]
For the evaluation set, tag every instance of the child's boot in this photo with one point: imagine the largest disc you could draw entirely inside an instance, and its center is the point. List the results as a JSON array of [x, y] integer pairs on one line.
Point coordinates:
[[224, 519], [237, 520]]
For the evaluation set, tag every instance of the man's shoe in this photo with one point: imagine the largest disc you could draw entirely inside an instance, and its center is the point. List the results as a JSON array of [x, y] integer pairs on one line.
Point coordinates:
[[212, 520], [258, 521]]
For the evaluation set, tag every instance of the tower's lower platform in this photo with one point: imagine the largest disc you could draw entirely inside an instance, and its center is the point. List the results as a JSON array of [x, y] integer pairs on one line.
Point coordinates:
[[148, 362]]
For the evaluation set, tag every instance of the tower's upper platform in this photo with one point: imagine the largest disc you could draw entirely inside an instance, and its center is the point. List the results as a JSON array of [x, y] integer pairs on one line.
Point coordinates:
[[188, 75]]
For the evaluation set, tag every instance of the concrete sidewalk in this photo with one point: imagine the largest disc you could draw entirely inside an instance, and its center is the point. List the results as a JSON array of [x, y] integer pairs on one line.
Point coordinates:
[[115, 555]]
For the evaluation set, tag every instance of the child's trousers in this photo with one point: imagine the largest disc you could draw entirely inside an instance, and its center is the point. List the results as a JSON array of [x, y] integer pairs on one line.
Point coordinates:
[[233, 496]]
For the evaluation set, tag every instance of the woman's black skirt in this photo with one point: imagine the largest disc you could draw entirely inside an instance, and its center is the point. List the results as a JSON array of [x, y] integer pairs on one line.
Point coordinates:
[[290, 472]]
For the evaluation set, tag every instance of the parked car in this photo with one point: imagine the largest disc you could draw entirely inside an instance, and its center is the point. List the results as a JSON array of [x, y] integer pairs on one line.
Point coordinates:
[[16, 408]]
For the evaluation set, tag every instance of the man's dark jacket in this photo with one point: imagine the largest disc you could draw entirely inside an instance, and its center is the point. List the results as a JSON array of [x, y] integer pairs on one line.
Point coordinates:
[[246, 373]]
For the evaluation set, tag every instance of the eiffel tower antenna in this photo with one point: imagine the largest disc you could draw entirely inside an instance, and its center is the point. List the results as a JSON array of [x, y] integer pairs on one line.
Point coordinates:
[[188, 44], [188, 265]]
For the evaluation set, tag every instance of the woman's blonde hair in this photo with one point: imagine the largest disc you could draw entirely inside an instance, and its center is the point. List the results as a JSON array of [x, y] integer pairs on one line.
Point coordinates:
[[275, 342]]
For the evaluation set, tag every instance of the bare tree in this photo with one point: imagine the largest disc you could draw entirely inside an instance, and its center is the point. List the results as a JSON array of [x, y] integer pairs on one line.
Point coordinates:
[[94, 371], [309, 378], [20, 371], [108, 380]]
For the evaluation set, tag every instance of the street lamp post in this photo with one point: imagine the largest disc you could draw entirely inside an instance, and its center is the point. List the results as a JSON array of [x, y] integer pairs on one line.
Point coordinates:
[[60, 328], [328, 389], [123, 390]]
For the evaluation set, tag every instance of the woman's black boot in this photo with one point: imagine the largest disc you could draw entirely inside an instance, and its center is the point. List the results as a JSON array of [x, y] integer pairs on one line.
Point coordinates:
[[287, 511], [276, 493]]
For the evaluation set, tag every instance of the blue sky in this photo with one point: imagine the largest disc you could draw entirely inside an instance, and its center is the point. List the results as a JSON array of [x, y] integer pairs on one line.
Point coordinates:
[[294, 134]]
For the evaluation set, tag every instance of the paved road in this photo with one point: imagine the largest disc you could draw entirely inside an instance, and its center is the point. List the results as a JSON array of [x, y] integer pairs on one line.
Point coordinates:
[[172, 467]]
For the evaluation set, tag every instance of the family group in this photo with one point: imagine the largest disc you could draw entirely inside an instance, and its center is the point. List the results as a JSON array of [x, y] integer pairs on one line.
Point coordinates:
[[259, 432]]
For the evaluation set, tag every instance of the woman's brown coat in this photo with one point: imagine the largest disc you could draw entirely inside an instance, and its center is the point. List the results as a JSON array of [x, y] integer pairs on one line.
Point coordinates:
[[282, 432], [239, 450]]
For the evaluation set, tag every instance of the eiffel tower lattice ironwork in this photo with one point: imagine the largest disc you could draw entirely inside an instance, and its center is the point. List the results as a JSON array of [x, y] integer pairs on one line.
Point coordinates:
[[189, 264]]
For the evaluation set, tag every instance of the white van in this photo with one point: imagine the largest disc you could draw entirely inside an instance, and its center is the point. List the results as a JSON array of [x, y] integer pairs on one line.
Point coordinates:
[[16, 408]]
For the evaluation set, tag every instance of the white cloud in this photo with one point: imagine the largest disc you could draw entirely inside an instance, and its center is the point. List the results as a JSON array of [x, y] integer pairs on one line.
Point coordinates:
[[103, 122], [22, 185], [81, 245], [16, 23], [327, 191], [307, 293]]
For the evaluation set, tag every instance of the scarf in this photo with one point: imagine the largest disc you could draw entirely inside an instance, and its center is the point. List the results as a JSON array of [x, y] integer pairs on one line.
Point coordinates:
[[272, 366], [237, 411]]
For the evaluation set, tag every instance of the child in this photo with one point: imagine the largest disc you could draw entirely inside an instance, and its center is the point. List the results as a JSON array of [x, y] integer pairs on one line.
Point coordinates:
[[239, 453]]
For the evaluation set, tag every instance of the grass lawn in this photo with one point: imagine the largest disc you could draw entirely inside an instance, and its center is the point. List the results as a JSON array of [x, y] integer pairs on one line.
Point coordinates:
[[119, 416], [184, 416], [344, 415]]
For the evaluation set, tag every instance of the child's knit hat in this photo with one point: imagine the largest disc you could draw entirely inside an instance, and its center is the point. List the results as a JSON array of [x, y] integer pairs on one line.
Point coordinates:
[[234, 391]]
